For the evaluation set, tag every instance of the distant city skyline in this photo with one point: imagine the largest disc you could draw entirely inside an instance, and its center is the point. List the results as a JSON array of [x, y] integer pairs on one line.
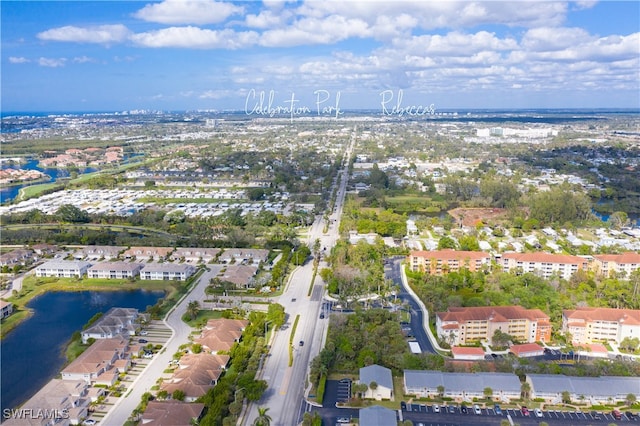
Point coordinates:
[[319, 57]]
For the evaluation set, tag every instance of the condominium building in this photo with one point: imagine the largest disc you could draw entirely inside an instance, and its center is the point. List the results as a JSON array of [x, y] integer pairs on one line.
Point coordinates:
[[114, 270], [589, 325], [619, 264], [459, 326], [166, 271], [62, 269], [544, 264], [439, 262]]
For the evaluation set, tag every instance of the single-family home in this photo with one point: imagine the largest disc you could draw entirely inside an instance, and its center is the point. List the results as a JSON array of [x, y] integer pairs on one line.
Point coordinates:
[[96, 363], [66, 403], [171, 413], [196, 374], [116, 322], [220, 334]]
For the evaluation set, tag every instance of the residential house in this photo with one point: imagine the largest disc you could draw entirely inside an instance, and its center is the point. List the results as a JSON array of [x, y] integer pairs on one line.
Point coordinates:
[[195, 255], [171, 413], [44, 249], [66, 403], [143, 254], [591, 325], [116, 322], [461, 386], [379, 382], [99, 252], [6, 309], [220, 334], [460, 326], [96, 364], [196, 374], [622, 265], [238, 274], [593, 390], [63, 269], [114, 270], [377, 416], [16, 257], [254, 256], [440, 262], [543, 264], [167, 271]]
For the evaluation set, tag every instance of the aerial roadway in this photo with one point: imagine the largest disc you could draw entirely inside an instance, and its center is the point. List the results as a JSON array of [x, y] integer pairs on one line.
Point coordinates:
[[285, 395]]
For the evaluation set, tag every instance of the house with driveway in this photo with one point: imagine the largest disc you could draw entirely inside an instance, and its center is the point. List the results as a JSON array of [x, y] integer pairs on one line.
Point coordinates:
[[196, 374], [97, 364], [116, 322]]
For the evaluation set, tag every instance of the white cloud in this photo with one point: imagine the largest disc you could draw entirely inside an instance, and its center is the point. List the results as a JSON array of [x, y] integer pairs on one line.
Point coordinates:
[[18, 60], [176, 12], [83, 60], [104, 34], [52, 62], [195, 38]]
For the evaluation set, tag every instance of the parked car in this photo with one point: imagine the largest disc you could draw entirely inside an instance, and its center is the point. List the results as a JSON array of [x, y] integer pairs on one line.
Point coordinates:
[[629, 414], [452, 408], [525, 411], [595, 415], [476, 409], [144, 332], [436, 408], [463, 408], [616, 414], [497, 409], [538, 412]]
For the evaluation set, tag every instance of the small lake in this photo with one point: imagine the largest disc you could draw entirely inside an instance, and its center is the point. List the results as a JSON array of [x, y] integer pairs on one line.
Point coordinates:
[[10, 192], [33, 353]]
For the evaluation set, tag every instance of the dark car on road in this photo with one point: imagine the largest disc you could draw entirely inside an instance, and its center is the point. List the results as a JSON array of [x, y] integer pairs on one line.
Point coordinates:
[[143, 341]]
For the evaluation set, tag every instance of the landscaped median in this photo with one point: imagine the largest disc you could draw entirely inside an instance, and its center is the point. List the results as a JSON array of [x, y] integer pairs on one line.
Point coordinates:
[[293, 333]]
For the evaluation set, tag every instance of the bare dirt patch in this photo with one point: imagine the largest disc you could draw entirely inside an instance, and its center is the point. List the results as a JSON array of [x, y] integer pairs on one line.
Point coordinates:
[[473, 216]]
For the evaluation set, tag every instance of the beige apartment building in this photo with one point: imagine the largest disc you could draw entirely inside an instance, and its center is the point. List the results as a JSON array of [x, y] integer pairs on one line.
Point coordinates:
[[460, 326], [589, 325]]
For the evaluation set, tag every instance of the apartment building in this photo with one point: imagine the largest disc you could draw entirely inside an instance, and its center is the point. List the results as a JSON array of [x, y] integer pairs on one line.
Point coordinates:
[[167, 271], [619, 264], [114, 270], [62, 269], [460, 326], [589, 325], [439, 262], [544, 264]]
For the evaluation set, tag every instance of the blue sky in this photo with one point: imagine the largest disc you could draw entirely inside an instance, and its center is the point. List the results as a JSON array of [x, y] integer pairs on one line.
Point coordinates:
[[205, 54]]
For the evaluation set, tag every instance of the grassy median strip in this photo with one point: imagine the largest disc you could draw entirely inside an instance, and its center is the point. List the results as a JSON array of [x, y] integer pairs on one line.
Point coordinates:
[[293, 333]]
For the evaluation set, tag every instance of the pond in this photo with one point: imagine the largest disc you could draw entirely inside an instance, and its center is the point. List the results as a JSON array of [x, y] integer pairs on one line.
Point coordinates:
[[33, 353]]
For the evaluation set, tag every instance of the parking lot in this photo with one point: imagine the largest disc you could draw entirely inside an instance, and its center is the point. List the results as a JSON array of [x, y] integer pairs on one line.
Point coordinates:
[[457, 413]]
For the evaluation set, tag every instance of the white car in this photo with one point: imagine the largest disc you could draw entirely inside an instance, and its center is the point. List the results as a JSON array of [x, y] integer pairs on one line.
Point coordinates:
[[538, 412], [436, 408], [476, 409]]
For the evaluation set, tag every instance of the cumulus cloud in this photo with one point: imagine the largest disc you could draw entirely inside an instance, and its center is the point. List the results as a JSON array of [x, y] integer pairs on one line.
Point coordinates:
[[52, 62], [176, 12], [104, 34], [18, 60], [83, 60], [195, 38]]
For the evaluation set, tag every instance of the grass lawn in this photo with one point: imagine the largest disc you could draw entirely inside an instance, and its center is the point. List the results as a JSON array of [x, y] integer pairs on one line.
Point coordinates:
[[35, 190], [203, 317]]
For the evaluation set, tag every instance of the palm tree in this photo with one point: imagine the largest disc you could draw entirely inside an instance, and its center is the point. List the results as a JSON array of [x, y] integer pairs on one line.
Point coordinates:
[[263, 418], [193, 308]]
